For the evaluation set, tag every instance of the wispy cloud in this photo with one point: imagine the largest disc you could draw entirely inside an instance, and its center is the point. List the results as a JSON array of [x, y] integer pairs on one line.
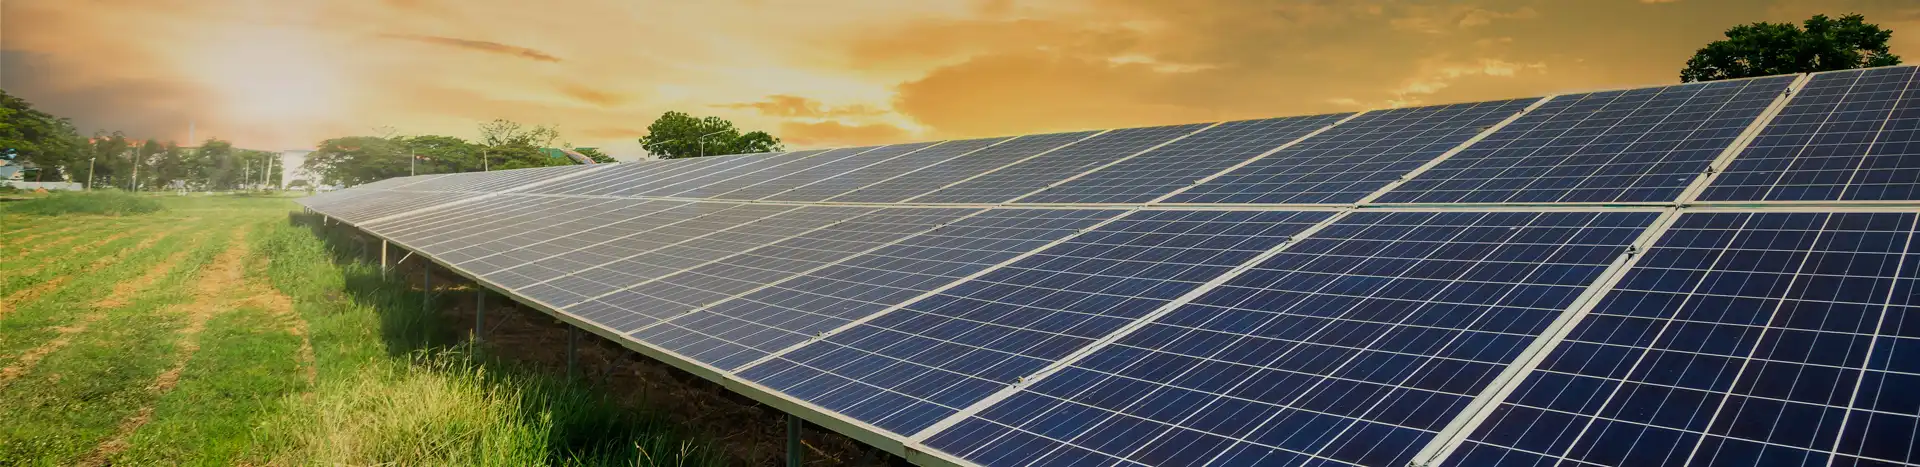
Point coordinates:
[[782, 105], [477, 45]]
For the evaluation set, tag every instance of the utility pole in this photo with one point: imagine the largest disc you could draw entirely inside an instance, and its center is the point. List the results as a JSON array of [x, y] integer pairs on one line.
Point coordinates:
[[133, 185], [90, 173]]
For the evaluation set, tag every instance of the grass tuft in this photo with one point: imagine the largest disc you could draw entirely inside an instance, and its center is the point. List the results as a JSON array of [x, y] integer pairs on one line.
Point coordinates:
[[106, 202]]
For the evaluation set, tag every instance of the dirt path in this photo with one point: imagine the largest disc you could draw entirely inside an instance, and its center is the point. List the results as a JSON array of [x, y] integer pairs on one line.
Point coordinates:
[[211, 297]]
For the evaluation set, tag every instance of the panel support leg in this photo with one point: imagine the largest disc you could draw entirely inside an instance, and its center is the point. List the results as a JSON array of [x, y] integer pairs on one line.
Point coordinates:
[[480, 316], [793, 440], [573, 353], [383, 259], [426, 286]]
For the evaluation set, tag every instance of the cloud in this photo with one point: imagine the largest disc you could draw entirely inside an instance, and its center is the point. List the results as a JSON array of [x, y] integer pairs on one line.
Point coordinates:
[[833, 133], [782, 105], [592, 96], [477, 45], [1455, 17]]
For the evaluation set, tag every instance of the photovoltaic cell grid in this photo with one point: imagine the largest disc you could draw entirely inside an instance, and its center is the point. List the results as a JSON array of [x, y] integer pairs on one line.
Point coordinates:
[[617, 241], [1740, 339], [696, 287], [803, 177], [754, 325], [655, 262], [848, 182], [555, 229], [907, 369], [1356, 158], [1637, 145], [1177, 165], [1845, 136], [999, 154], [748, 171], [1350, 347], [1020, 178], [628, 179]]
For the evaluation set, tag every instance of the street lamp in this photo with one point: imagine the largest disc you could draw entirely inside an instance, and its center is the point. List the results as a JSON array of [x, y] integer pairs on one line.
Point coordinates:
[[702, 140]]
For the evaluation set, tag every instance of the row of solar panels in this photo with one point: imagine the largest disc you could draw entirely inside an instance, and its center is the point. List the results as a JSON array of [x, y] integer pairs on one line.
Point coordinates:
[[1012, 336], [1843, 136], [1191, 335]]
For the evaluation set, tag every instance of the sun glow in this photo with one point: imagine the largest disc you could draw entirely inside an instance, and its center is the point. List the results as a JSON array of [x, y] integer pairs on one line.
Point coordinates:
[[269, 75]]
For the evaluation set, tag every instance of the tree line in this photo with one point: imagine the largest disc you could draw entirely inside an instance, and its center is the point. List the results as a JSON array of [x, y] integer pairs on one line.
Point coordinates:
[[53, 150], [503, 144]]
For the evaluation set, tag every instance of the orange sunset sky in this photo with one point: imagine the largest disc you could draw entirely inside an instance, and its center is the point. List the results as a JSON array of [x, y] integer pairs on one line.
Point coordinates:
[[283, 74]]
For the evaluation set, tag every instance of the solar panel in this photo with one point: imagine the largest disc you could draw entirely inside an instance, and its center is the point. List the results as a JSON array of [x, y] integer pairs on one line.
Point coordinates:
[[734, 332], [1160, 171], [1351, 347], [1027, 176], [1350, 161], [802, 177], [585, 286], [390, 203], [723, 178], [555, 229], [716, 275], [832, 185], [909, 368], [625, 175], [622, 239], [697, 287], [1846, 136], [967, 165], [1636, 145], [1740, 339]]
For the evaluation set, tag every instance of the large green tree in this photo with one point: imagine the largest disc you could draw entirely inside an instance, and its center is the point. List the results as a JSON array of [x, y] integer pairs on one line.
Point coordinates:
[[47, 142], [1763, 49], [676, 135], [355, 160]]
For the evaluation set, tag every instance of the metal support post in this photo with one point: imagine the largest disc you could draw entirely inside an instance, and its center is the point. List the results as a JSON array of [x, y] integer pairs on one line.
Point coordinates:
[[573, 345], [793, 440], [383, 259], [426, 286], [480, 316]]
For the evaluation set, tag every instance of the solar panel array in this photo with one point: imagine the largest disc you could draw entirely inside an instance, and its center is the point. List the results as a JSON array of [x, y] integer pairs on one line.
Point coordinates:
[[1703, 274]]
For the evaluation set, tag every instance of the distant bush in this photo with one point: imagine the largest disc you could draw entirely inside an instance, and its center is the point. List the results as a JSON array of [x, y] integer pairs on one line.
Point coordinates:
[[106, 203]]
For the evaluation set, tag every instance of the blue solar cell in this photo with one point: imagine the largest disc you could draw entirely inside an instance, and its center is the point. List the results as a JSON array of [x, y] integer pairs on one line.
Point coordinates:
[[909, 368], [1356, 158], [1181, 163], [718, 178], [1740, 339], [920, 182], [1637, 145], [799, 177], [1352, 346], [558, 232], [701, 284], [629, 238], [1028, 176], [741, 330], [1846, 136], [846, 183]]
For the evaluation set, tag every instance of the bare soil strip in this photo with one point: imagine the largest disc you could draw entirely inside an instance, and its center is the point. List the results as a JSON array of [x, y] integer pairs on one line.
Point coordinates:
[[266, 296], [36, 236], [122, 294], [8, 302], [210, 299]]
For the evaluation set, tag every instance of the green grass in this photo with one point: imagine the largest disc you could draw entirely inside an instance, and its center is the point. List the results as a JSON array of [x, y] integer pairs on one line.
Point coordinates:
[[105, 203], [392, 384]]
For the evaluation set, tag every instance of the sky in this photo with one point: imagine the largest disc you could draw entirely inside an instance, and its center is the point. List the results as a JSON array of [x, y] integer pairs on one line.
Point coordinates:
[[279, 74]]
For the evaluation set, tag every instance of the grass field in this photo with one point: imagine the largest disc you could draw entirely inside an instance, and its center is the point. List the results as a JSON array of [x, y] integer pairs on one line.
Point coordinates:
[[216, 331]]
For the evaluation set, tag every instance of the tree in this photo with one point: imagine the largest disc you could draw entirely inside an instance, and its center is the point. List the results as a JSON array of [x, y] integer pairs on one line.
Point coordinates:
[[1763, 49], [355, 160], [49, 143], [595, 154], [510, 145], [676, 135]]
